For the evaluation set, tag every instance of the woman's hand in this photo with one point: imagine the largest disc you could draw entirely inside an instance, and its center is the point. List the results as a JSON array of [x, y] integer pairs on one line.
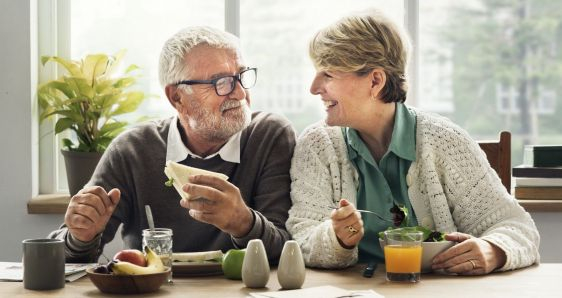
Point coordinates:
[[471, 256], [347, 225]]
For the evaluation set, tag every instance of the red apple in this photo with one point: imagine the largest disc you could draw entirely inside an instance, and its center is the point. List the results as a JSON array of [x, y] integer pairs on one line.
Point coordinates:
[[132, 256]]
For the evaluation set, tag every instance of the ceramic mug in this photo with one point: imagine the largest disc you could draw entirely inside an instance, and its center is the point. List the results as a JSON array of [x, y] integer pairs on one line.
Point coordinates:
[[43, 264]]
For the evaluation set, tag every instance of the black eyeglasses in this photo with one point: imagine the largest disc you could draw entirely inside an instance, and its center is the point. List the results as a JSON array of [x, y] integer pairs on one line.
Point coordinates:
[[225, 85]]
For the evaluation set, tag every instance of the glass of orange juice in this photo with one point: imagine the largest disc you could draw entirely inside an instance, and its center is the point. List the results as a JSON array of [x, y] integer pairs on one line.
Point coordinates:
[[403, 255]]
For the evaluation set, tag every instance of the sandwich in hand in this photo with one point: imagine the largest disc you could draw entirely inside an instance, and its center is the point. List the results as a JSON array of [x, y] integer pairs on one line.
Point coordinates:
[[179, 174]]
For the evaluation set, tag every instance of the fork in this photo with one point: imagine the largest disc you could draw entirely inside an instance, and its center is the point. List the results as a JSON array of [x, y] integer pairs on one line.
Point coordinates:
[[369, 212]]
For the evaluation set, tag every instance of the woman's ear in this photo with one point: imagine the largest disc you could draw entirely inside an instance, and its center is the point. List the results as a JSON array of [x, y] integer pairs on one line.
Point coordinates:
[[378, 80], [173, 95]]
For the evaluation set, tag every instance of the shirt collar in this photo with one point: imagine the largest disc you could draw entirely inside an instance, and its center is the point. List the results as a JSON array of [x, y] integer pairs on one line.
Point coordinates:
[[177, 151], [402, 143]]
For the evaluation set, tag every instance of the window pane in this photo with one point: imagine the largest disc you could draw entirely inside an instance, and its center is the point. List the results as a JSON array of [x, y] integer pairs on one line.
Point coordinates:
[[275, 37], [141, 27], [494, 65]]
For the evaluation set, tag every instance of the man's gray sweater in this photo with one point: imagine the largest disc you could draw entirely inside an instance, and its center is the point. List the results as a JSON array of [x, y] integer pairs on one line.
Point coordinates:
[[134, 163]]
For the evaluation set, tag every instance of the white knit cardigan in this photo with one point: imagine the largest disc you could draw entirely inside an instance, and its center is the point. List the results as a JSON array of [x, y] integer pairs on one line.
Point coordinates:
[[450, 184]]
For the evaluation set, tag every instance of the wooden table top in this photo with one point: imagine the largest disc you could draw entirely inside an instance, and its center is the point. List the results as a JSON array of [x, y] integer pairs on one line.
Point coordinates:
[[544, 280]]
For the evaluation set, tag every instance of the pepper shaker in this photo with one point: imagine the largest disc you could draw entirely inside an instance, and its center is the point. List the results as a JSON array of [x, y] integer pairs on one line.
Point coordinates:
[[255, 267], [291, 271]]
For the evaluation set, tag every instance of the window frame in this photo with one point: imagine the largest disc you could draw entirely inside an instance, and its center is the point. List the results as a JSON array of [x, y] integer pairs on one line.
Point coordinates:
[[54, 40]]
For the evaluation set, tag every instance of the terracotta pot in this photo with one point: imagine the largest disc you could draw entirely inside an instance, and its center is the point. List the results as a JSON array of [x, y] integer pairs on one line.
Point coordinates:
[[79, 168]]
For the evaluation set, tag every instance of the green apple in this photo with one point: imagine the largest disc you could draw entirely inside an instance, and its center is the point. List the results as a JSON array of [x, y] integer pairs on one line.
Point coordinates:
[[232, 263]]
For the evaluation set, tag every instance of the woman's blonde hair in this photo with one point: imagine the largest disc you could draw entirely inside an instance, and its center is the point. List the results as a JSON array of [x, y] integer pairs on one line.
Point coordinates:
[[360, 43]]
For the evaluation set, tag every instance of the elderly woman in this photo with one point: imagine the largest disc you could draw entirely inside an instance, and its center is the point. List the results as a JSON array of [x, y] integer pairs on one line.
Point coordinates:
[[373, 152]]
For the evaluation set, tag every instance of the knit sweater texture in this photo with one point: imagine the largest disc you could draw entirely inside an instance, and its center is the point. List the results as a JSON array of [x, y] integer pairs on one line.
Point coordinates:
[[451, 186], [135, 161]]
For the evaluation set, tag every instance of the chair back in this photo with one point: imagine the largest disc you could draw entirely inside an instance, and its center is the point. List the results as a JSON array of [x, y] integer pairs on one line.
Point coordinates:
[[499, 157]]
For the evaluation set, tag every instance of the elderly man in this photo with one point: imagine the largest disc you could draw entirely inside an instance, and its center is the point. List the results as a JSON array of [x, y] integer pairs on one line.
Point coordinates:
[[206, 81]]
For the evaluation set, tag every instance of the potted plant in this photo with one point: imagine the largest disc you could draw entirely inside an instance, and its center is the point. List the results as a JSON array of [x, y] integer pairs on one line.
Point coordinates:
[[86, 100]]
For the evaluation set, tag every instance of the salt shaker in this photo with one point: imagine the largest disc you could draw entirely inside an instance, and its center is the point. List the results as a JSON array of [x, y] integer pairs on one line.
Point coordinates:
[[255, 267], [291, 271]]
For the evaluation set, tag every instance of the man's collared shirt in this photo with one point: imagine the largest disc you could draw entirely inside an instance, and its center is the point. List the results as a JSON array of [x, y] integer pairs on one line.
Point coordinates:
[[384, 184], [177, 151]]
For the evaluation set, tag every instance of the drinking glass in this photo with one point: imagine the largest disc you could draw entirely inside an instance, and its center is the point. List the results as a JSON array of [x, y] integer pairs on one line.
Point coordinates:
[[160, 241], [403, 255]]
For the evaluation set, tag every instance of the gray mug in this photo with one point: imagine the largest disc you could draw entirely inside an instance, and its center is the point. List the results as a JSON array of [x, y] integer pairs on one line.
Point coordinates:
[[43, 264]]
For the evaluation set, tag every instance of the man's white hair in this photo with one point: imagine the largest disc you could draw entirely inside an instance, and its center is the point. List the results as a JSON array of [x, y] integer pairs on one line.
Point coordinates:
[[172, 66]]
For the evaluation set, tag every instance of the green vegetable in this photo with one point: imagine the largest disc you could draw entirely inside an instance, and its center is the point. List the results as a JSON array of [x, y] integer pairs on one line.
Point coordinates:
[[406, 221], [402, 221], [428, 235], [170, 182]]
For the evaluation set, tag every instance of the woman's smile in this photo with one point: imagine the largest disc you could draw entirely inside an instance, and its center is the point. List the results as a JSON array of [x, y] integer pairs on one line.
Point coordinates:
[[328, 104]]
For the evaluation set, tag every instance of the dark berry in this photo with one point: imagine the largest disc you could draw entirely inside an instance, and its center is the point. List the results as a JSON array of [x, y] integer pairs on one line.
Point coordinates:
[[103, 269]]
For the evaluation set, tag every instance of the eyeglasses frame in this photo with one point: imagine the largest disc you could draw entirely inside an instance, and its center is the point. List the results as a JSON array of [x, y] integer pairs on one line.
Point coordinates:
[[236, 77]]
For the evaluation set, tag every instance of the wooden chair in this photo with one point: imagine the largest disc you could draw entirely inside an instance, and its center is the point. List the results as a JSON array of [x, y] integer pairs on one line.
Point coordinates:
[[499, 156]]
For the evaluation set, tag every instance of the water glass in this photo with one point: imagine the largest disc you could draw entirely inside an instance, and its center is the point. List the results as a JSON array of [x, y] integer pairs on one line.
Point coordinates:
[[160, 241]]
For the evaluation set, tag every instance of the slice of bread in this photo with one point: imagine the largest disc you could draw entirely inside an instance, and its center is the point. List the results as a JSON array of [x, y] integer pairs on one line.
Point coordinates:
[[180, 175], [197, 256]]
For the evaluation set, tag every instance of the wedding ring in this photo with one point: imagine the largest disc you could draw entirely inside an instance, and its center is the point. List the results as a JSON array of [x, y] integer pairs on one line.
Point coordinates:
[[351, 230], [473, 264]]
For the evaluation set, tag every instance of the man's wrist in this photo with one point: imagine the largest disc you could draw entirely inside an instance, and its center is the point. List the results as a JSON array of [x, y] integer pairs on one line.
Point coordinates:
[[247, 225], [78, 245]]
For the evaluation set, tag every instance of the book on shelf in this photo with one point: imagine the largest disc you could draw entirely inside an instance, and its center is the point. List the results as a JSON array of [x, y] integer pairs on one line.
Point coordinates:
[[538, 193], [543, 155], [537, 181], [537, 172]]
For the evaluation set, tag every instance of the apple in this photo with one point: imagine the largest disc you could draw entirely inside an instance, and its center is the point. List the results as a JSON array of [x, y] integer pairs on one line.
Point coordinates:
[[132, 256], [232, 263]]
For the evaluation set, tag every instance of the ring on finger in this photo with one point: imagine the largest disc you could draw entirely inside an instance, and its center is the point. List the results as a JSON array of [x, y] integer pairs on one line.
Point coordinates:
[[473, 264], [352, 230]]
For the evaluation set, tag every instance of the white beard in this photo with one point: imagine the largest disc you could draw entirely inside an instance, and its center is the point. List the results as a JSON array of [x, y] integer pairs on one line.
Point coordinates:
[[215, 128]]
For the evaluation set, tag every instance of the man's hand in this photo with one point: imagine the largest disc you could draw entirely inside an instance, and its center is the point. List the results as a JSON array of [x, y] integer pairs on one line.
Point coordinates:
[[217, 202], [89, 211], [471, 256], [347, 224]]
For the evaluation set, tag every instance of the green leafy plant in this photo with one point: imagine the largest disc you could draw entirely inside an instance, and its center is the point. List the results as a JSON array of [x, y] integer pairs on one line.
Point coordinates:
[[88, 98]]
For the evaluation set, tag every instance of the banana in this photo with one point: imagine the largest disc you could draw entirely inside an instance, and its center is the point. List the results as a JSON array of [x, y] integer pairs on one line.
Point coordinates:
[[152, 259], [154, 265]]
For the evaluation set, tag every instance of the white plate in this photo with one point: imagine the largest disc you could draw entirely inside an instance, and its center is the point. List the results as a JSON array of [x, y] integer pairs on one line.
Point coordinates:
[[206, 268]]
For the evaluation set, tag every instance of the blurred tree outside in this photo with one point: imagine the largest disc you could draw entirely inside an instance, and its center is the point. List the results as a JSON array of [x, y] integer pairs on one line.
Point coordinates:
[[506, 69]]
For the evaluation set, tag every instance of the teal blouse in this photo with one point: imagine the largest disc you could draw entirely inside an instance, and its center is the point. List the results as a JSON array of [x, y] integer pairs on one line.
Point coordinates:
[[384, 184]]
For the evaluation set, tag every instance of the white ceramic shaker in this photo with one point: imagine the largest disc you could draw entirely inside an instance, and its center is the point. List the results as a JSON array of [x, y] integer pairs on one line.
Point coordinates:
[[291, 271], [255, 267]]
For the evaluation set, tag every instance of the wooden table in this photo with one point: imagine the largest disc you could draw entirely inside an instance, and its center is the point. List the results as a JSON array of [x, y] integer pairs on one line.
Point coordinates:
[[536, 281]]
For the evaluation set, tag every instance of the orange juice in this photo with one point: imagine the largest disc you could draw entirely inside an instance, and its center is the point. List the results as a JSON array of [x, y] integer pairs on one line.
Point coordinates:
[[403, 259], [403, 255]]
